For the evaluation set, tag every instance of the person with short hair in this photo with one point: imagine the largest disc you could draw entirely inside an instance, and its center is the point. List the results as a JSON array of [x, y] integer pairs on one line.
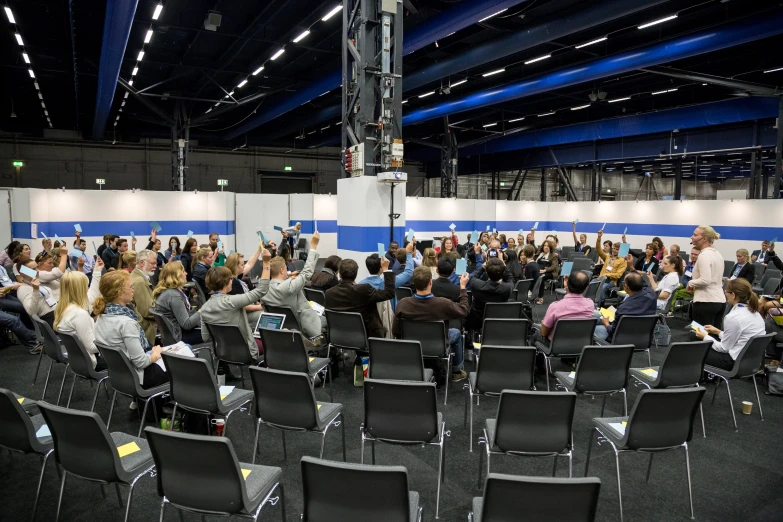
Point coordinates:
[[327, 277], [143, 301], [72, 313], [762, 255], [402, 261], [641, 300], [743, 269], [529, 265], [648, 262], [391, 255], [672, 270], [709, 300], [47, 246], [443, 286], [291, 235], [172, 302], [82, 263], [110, 254], [104, 245], [491, 291], [375, 268], [674, 250], [613, 267], [424, 306], [573, 306]]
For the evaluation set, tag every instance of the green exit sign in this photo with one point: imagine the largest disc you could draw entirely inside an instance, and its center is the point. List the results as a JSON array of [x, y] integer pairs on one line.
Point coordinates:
[[502, 183], [18, 163], [287, 167]]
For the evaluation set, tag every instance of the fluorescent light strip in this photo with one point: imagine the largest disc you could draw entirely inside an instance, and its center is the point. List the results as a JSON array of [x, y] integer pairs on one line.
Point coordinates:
[[277, 54], [31, 73], [619, 99], [10, 15], [242, 83], [140, 56], [158, 9], [580, 107], [135, 71], [258, 70], [490, 125], [426, 94], [332, 13], [494, 72], [656, 22], [765, 72], [148, 36], [301, 36], [404, 101], [590, 43], [459, 82], [664, 92], [26, 58], [19, 38], [547, 114], [538, 59], [490, 16], [516, 119]]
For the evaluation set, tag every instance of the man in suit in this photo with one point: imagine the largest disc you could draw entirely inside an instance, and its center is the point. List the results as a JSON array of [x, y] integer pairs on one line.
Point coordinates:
[[743, 269], [146, 264], [350, 297], [761, 256], [287, 291], [443, 285]]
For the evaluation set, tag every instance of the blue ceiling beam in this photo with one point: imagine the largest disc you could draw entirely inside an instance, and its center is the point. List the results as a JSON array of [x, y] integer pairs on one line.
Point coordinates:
[[714, 39], [116, 31]]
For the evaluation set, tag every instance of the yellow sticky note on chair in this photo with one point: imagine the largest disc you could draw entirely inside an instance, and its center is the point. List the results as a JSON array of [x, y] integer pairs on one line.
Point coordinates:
[[246, 472], [624, 423], [649, 371], [477, 345], [127, 449], [319, 406], [20, 400], [310, 359], [778, 319]]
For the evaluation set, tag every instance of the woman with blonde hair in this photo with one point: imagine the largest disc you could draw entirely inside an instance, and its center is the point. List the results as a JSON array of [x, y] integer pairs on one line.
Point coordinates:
[[127, 261], [72, 313], [431, 261], [172, 303], [118, 327], [236, 263]]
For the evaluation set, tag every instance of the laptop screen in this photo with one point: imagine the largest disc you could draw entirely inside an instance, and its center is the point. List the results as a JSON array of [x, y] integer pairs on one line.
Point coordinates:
[[270, 321]]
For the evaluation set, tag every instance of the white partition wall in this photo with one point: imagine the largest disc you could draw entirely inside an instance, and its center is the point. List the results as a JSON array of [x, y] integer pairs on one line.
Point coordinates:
[[262, 212]]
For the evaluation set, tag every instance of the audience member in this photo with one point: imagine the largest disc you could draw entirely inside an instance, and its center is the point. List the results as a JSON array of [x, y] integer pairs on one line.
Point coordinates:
[[491, 291], [431, 261], [774, 259], [327, 277], [708, 298], [761, 255], [72, 313], [683, 292], [613, 267], [527, 260], [672, 269], [661, 252], [172, 302], [648, 262], [741, 323], [127, 261], [25, 335], [174, 250], [574, 305], [580, 245], [742, 268], [443, 286], [291, 235], [110, 254], [503, 241], [51, 270], [104, 245], [143, 301], [548, 267], [514, 270], [188, 251], [674, 250], [641, 300], [47, 246], [402, 260], [202, 262], [375, 279], [236, 263], [512, 244], [447, 246], [82, 263], [424, 306], [391, 255], [35, 297], [7, 255]]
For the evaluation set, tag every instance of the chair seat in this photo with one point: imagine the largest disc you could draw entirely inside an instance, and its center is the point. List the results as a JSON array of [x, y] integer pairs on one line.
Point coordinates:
[[136, 462], [560, 291], [478, 505], [413, 502], [566, 380], [544, 348], [429, 373], [317, 364], [39, 421], [27, 404], [259, 482], [758, 289], [612, 434], [149, 392], [719, 371], [639, 374], [235, 398], [327, 411]]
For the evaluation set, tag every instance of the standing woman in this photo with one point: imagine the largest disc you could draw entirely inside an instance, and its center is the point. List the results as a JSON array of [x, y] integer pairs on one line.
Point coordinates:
[[118, 327], [503, 242], [548, 267], [174, 251], [72, 313], [580, 245], [186, 256], [707, 282]]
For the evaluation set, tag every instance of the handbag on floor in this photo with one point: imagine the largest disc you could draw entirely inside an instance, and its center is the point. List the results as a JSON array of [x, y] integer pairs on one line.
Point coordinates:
[[662, 333]]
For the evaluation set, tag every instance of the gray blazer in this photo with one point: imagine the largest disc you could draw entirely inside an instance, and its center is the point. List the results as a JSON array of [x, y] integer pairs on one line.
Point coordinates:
[[289, 293], [170, 304], [119, 331], [230, 310]]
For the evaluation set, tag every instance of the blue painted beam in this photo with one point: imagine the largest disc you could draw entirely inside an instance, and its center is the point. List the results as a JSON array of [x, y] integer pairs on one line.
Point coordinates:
[[116, 30], [710, 40]]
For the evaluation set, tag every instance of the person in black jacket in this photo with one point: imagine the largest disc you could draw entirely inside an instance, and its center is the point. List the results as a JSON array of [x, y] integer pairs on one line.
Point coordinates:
[[743, 268], [527, 260], [111, 254], [327, 277], [514, 270], [442, 286], [204, 258], [491, 291], [188, 251]]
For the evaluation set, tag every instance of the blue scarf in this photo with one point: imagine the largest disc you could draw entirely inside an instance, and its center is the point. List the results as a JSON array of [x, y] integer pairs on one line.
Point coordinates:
[[115, 309]]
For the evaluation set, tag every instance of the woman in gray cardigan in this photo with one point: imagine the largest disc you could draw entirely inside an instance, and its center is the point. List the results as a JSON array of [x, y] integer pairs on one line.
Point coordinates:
[[118, 327], [172, 303]]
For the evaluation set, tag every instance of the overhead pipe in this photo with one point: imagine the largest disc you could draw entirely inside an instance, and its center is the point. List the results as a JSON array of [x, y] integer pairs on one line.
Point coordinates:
[[728, 35], [116, 31], [462, 15]]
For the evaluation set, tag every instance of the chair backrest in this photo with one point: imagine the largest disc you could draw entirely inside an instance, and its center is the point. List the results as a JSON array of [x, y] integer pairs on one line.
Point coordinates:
[[51, 344], [662, 418], [505, 368], [603, 368], [320, 264], [164, 328], [507, 497], [431, 335], [400, 411], [383, 491], [534, 421], [346, 330], [82, 444], [521, 290], [565, 251], [759, 270], [683, 364], [297, 265], [291, 321], [396, 360], [284, 350], [751, 359], [315, 295], [18, 432], [184, 479], [508, 310], [122, 374], [401, 292], [582, 263], [505, 332], [573, 255], [79, 359], [771, 286], [192, 382], [592, 289], [284, 398], [637, 330], [202, 299], [230, 343], [727, 267], [571, 335]]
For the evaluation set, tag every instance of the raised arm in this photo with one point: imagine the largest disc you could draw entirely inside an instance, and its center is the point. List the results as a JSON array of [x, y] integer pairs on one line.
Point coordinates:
[[573, 224], [252, 262], [598, 248]]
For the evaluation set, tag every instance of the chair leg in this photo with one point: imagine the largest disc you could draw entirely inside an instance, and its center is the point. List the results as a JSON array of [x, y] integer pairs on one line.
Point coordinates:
[[48, 374], [603, 406], [471, 419], [589, 450], [440, 474], [619, 487], [162, 509], [144, 417], [95, 397], [119, 495], [703, 427], [173, 414], [342, 428], [688, 469], [285, 450], [481, 464], [731, 406], [715, 392], [37, 368], [448, 382], [755, 386], [323, 442], [546, 371], [60, 498], [554, 467], [130, 497], [111, 410], [571, 461], [255, 443], [331, 384], [62, 384], [361, 457], [181, 516], [282, 501], [649, 359], [649, 467], [44, 460], [372, 450], [70, 395], [625, 402]]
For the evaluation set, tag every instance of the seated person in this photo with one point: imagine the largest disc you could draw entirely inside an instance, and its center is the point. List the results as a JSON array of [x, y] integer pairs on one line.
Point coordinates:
[[491, 291], [424, 306], [236, 263], [174, 250], [373, 265], [442, 286], [361, 298], [672, 270], [514, 270], [26, 336], [202, 262], [431, 260], [72, 313], [9, 302], [739, 325], [111, 254], [172, 302], [188, 252], [641, 300], [36, 298], [774, 259], [46, 243], [327, 277], [118, 326], [675, 251], [762, 255], [647, 263], [613, 267], [142, 291], [580, 245], [402, 260], [743, 269], [51, 270], [218, 257], [391, 255], [527, 260], [606, 247], [573, 306]]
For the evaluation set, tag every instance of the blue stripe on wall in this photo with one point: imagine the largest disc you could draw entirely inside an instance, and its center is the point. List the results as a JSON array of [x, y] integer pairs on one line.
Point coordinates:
[[327, 226], [21, 229], [365, 239]]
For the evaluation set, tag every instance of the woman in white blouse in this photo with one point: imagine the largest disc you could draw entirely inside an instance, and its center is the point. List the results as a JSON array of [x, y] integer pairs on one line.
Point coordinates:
[[51, 270], [72, 313], [36, 298], [672, 269], [743, 322]]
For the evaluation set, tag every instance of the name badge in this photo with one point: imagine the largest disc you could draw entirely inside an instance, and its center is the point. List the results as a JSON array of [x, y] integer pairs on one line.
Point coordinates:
[[733, 277], [609, 267], [689, 273], [51, 301]]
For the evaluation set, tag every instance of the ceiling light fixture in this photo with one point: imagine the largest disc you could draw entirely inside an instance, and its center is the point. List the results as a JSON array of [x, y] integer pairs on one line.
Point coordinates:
[[516, 119], [590, 43], [404, 101], [547, 114], [130, 82], [774, 70], [19, 38], [148, 36], [135, 71], [538, 59], [494, 72], [426, 94], [10, 15], [459, 82], [580, 107], [332, 13], [490, 16], [26, 58], [490, 125], [140, 56], [31, 73], [158, 9], [277, 54], [656, 22], [663, 92], [258, 70], [242, 83], [301, 36], [619, 99]]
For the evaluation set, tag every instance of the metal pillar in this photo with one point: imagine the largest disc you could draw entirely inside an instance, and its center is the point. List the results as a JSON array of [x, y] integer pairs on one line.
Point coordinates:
[[678, 180], [180, 148], [371, 90], [449, 154], [594, 183], [776, 194], [754, 176], [543, 184]]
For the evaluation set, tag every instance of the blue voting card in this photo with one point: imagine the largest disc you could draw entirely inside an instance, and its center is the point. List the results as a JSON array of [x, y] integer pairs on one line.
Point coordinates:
[[44, 235], [535, 225], [603, 227], [315, 225], [94, 247], [381, 250], [77, 227], [156, 226], [76, 253], [410, 234], [132, 234], [190, 234], [625, 231], [566, 269], [462, 266], [279, 229], [219, 246], [576, 221], [624, 249], [452, 227]]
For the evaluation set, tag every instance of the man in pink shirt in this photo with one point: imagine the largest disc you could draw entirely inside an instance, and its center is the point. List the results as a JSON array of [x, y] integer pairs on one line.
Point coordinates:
[[573, 306]]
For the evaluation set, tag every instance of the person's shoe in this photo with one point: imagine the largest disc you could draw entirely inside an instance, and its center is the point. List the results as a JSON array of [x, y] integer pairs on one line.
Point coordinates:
[[36, 350], [459, 376], [133, 405]]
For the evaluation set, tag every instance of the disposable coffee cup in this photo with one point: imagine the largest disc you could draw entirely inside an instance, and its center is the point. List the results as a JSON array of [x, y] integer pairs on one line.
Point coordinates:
[[747, 407], [217, 426]]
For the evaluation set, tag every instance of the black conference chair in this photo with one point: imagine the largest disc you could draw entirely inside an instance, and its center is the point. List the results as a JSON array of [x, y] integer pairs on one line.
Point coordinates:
[[286, 401], [285, 350], [759, 271], [727, 267], [291, 321], [530, 424], [85, 449], [385, 494], [434, 344], [231, 346], [81, 367], [768, 285], [398, 360], [167, 337], [536, 499], [54, 351], [297, 265], [521, 290], [225, 486], [508, 310], [500, 368], [315, 295], [505, 332], [748, 364], [19, 434], [347, 332], [401, 292], [125, 381], [638, 330], [660, 420], [601, 370], [405, 413], [573, 255], [569, 337]]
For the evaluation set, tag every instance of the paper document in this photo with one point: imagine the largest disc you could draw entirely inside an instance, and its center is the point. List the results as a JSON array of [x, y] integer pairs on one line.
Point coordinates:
[[477, 345], [75, 253], [608, 313], [317, 308], [176, 349], [652, 373], [696, 326], [127, 449], [225, 391], [618, 427]]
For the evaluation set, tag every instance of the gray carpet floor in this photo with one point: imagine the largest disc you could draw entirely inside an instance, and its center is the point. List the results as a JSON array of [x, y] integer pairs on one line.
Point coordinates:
[[736, 475]]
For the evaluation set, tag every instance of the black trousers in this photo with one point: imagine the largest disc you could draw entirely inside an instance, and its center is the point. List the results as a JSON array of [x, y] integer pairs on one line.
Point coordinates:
[[708, 313], [719, 360], [154, 375], [546, 276]]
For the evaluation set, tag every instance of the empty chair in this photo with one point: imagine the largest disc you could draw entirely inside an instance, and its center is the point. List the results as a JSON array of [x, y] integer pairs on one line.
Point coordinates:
[[285, 350], [759, 270], [297, 265], [748, 363], [231, 346], [728, 266], [19, 434], [434, 343], [593, 288], [167, 337], [379, 492], [286, 401], [573, 255], [54, 351], [582, 263], [202, 474], [401, 292], [509, 310], [505, 332], [403, 413], [500, 368], [533, 499], [315, 295], [347, 331], [202, 299], [564, 251], [638, 330], [193, 388], [568, 339], [125, 381], [601, 370], [84, 448], [291, 321], [768, 285], [81, 367], [530, 424], [398, 360], [660, 420], [521, 290]]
